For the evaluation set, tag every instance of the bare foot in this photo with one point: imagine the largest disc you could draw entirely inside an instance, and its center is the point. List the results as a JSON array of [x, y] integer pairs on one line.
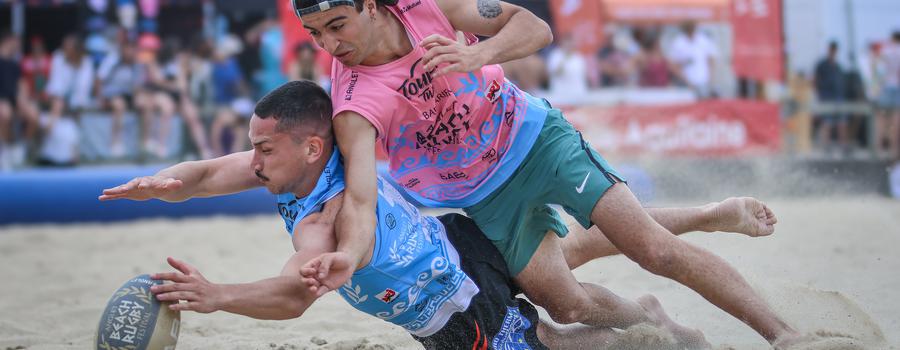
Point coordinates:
[[686, 337], [746, 215]]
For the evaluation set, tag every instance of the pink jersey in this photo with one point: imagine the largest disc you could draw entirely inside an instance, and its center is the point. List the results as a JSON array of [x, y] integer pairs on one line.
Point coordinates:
[[450, 140]]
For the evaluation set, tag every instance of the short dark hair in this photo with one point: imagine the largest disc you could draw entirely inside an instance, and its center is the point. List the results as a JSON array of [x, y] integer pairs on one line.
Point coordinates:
[[301, 108]]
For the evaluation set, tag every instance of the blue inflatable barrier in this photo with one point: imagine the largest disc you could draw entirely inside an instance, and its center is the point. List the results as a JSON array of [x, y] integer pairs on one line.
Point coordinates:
[[70, 195]]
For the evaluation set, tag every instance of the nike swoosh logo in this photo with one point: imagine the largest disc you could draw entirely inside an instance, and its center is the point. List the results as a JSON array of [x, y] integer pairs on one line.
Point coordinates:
[[580, 189]]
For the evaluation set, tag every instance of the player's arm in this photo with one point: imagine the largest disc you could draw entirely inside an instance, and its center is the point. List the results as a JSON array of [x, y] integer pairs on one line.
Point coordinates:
[[277, 298], [206, 178], [506, 41], [355, 222]]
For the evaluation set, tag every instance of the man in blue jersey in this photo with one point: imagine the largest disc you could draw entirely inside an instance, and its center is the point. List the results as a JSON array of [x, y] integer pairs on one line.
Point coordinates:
[[438, 278]]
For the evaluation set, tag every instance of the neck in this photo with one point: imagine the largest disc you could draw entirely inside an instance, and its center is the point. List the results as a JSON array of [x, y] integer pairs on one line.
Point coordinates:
[[393, 43]]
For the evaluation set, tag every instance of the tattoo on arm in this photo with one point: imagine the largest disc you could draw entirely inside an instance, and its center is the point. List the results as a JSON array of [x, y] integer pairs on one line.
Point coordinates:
[[489, 8]]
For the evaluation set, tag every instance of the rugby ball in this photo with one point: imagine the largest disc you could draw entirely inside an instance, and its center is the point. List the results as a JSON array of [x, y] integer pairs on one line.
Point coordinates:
[[135, 320]]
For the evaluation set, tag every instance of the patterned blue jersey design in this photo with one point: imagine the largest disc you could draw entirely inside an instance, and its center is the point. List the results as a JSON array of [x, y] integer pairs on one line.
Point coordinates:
[[414, 279]]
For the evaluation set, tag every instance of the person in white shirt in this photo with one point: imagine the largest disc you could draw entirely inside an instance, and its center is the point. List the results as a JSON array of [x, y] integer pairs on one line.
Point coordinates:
[[567, 71], [71, 78], [693, 55]]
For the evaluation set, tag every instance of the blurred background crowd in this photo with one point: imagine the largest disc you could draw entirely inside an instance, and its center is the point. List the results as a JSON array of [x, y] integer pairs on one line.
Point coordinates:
[[135, 81]]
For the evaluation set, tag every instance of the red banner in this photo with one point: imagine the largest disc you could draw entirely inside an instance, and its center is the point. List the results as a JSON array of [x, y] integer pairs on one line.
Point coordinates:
[[709, 128], [294, 34], [581, 20], [757, 39]]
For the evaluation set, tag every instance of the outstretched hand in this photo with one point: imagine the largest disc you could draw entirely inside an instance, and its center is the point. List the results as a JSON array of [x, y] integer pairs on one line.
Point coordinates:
[[190, 286], [143, 188], [326, 272]]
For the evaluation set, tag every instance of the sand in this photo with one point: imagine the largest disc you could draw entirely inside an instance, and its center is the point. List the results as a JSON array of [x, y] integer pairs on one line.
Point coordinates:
[[830, 268]]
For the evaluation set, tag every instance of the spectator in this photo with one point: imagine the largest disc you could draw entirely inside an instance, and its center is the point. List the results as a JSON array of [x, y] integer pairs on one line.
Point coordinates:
[[71, 79], [694, 55], [528, 73], [69, 90], [185, 66], [165, 92], [653, 67], [36, 71], [267, 38], [567, 70], [305, 67], [33, 99], [153, 99], [172, 93], [889, 97], [119, 77], [830, 86], [231, 98], [10, 85], [616, 60]]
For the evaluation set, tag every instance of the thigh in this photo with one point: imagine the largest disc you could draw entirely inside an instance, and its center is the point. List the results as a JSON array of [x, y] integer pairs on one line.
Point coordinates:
[[548, 281], [626, 224]]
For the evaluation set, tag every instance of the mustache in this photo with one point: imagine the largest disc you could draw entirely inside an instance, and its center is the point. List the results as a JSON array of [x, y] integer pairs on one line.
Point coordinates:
[[261, 176]]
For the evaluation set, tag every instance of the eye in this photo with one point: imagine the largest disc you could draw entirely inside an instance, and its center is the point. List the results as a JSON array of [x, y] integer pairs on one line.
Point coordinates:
[[338, 27]]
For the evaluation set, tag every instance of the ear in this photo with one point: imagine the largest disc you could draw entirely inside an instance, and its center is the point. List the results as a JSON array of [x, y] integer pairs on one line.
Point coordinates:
[[315, 148], [371, 7]]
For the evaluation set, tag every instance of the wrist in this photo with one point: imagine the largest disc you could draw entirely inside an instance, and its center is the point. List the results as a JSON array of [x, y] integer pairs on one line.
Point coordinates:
[[222, 298]]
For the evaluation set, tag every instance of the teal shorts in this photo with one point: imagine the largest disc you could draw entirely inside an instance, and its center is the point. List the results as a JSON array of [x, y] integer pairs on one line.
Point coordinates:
[[561, 168]]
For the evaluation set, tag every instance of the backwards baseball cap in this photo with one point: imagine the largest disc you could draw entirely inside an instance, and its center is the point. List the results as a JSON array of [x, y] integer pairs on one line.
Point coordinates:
[[305, 7]]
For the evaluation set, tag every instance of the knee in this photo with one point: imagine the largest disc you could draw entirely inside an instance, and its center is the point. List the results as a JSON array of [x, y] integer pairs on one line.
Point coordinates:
[[659, 259], [574, 310]]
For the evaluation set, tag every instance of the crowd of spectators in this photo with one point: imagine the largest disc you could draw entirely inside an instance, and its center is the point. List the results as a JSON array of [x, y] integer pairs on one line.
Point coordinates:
[[851, 95], [45, 94], [651, 56]]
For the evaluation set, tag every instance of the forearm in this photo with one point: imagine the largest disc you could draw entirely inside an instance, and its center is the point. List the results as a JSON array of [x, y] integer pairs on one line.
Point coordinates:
[[192, 174], [509, 43], [277, 298], [355, 230], [213, 177]]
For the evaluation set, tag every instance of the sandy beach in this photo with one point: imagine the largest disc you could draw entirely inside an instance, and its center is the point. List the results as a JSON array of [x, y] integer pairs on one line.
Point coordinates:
[[830, 267]]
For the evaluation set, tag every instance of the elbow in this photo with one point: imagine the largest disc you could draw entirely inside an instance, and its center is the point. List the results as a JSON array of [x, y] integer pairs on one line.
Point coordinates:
[[294, 309], [547, 35]]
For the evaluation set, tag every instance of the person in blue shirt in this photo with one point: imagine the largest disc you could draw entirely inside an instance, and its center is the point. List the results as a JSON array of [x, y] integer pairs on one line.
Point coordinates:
[[437, 277]]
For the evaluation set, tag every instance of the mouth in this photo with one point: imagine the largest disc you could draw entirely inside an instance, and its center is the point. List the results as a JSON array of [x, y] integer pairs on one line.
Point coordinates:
[[261, 176], [342, 55]]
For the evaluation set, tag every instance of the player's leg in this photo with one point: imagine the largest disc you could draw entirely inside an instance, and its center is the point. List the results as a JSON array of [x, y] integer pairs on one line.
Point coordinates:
[[549, 283], [653, 336], [745, 215], [619, 215]]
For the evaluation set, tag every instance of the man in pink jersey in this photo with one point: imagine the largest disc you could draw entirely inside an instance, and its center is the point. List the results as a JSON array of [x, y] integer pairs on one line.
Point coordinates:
[[457, 134]]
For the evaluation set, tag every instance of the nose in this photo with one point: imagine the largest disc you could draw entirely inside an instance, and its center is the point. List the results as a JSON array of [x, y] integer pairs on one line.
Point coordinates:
[[329, 43], [256, 164]]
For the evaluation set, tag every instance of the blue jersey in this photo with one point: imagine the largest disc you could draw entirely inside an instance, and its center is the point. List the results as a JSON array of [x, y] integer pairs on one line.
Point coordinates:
[[414, 279]]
